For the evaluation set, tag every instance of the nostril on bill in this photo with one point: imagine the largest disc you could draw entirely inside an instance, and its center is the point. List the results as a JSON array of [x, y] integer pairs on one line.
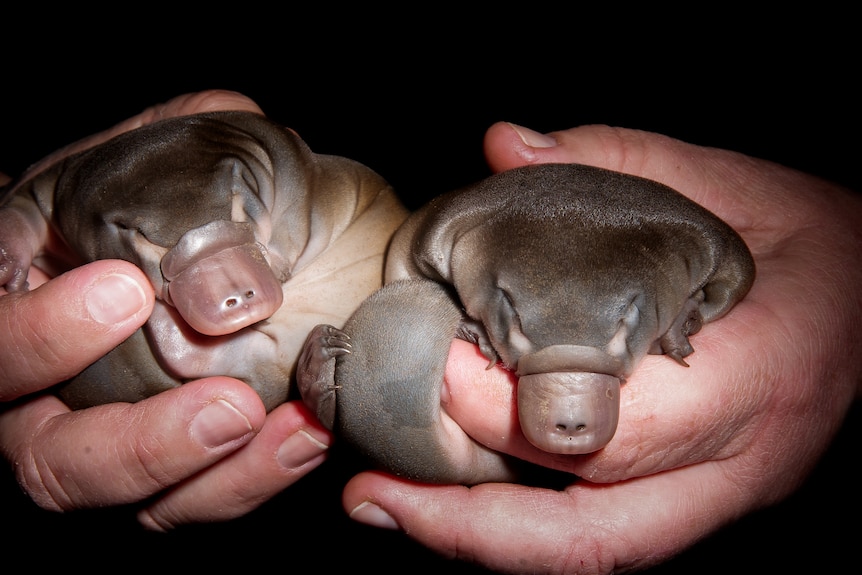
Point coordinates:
[[574, 429], [235, 301]]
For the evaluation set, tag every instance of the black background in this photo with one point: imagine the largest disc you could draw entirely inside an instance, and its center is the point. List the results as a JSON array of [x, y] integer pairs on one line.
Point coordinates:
[[411, 95]]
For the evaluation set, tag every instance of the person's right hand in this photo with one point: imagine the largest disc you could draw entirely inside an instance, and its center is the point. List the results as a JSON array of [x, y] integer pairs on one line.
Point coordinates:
[[696, 448], [204, 451]]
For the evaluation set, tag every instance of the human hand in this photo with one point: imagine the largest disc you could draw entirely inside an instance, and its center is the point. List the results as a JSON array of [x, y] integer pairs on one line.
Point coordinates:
[[696, 448], [184, 451]]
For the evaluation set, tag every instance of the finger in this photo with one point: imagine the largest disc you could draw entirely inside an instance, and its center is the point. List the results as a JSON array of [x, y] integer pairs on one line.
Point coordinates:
[[121, 453], [182, 105], [736, 187], [53, 332], [620, 149], [586, 528], [290, 445], [682, 166]]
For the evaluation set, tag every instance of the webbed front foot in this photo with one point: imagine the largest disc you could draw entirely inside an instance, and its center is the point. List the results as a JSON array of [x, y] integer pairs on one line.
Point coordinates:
[[315, 371], [674, 343], [473, 331], [21, 237]]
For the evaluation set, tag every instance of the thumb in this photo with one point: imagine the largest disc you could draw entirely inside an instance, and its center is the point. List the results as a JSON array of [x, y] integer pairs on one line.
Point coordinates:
[[620, 149], [54, 331], [586, 528], [624, 150], [711, 177]]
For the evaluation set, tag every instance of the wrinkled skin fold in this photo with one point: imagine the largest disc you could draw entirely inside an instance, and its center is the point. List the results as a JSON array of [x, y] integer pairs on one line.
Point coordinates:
[[567, 275], [248, 237]]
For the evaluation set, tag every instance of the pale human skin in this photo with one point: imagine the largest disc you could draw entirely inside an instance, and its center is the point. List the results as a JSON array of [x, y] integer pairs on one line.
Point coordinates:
[[772, 368], [697, 447], [172, 448]]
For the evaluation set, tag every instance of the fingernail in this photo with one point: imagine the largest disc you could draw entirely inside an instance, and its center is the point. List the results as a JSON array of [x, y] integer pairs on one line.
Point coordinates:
[[370, 514], [218, 423], [114, 298], [299, 449], [532, 138]]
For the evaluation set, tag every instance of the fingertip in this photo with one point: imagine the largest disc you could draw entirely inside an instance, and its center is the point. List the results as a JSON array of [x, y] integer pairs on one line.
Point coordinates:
[[118, 295], [509, 145], [369, 513], [221, 409], [99, 286], [364, 489], [305, 441], [532, 139], [381, 500], [54, 331], [506, 147]]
